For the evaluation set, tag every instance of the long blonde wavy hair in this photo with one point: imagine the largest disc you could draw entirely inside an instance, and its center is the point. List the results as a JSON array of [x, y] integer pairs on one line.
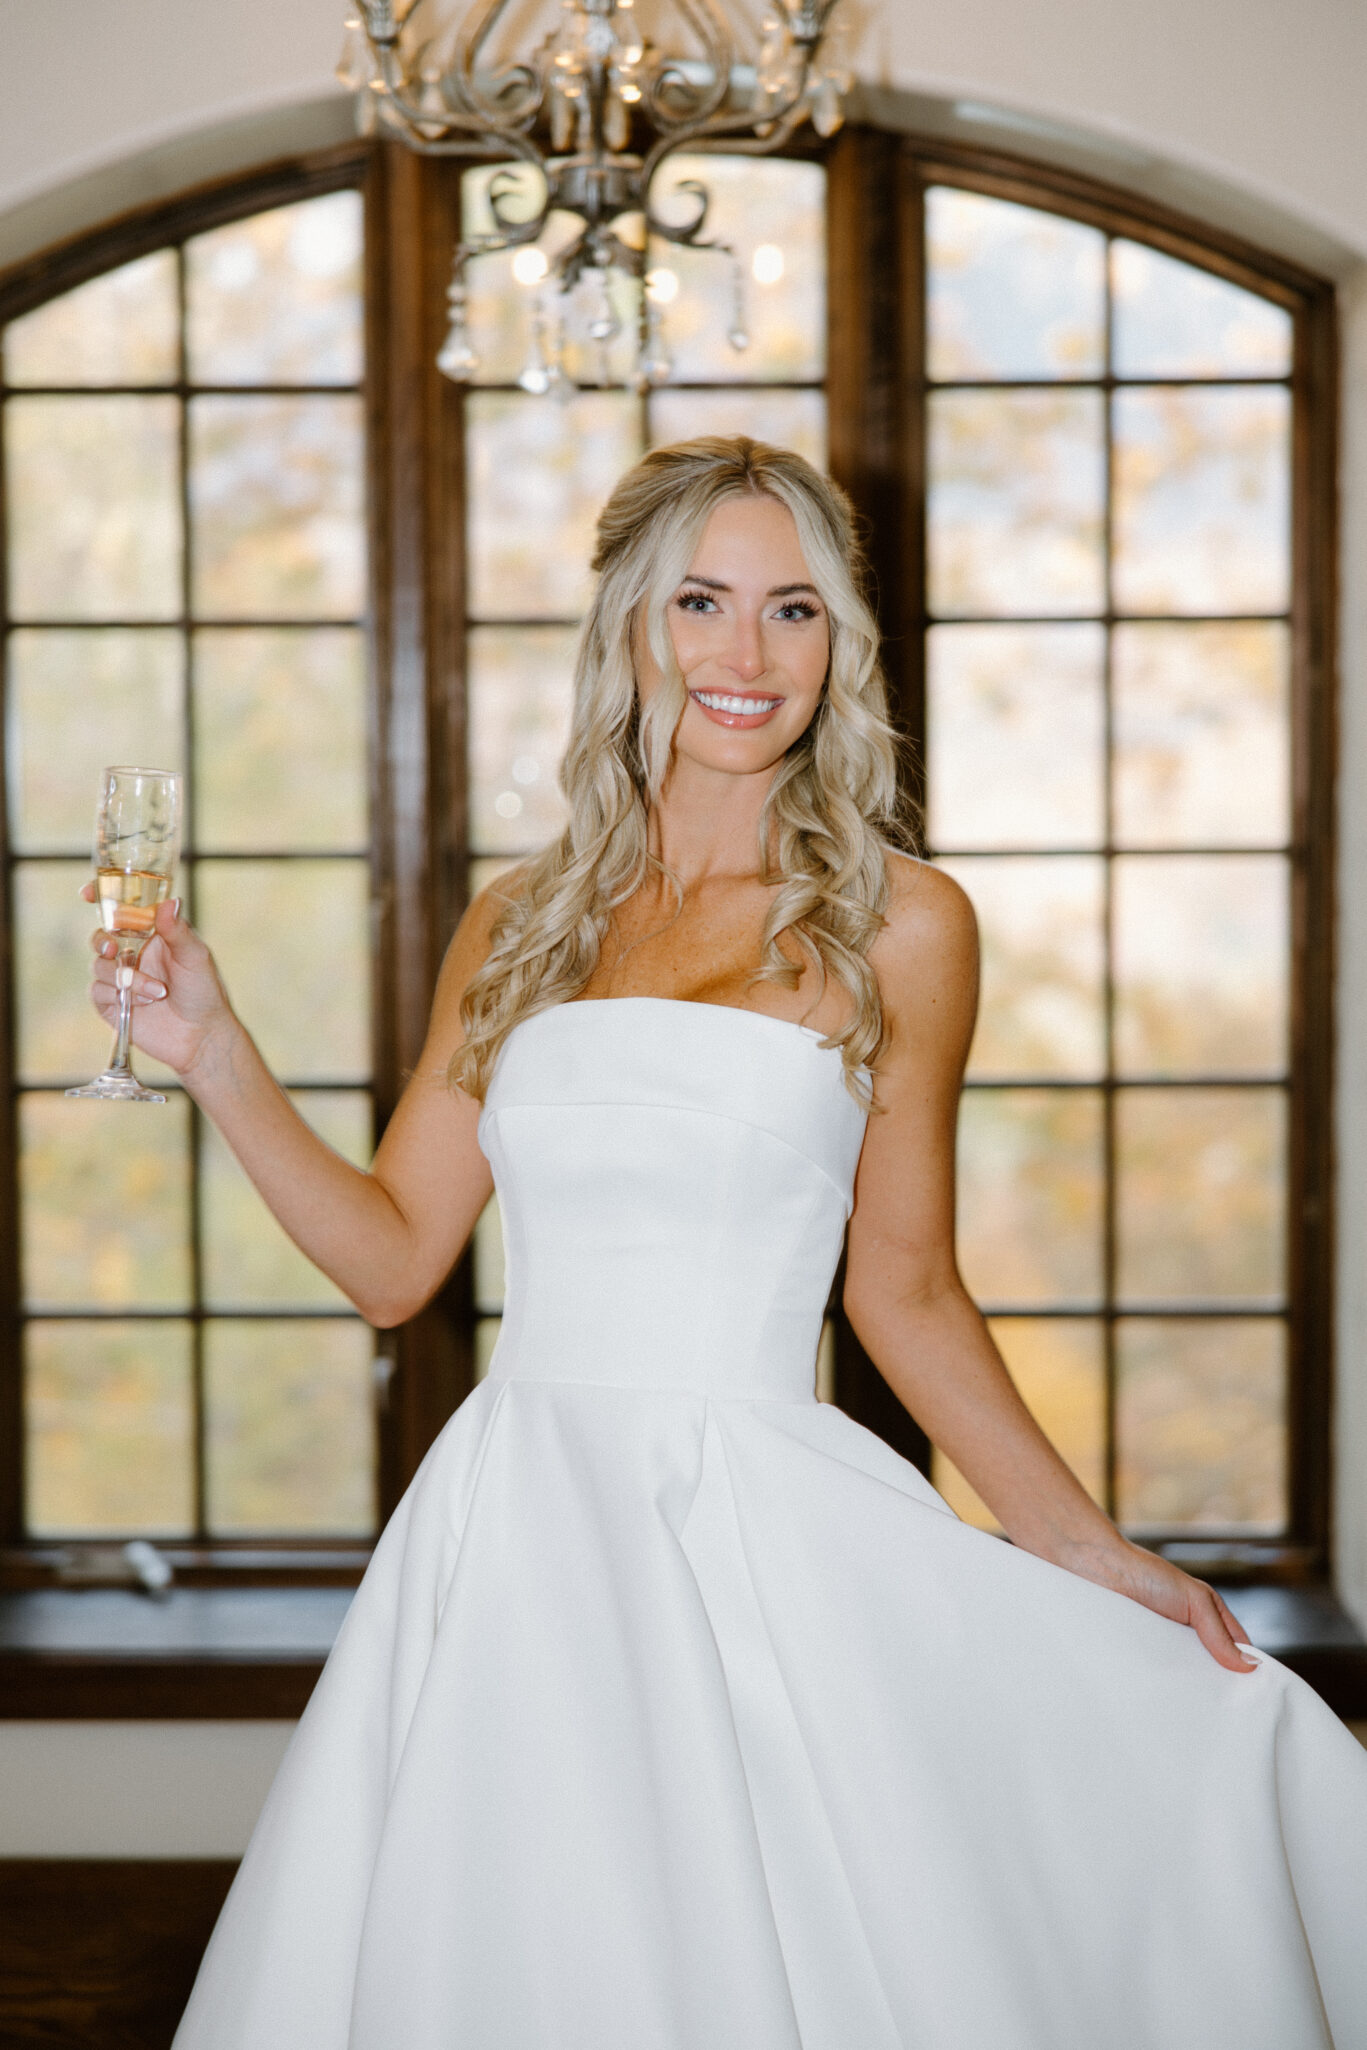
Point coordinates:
[[833, 809]]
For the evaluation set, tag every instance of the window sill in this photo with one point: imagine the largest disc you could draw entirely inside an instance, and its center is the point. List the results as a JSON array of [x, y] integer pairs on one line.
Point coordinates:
[[232, 1653], [210, 1653]]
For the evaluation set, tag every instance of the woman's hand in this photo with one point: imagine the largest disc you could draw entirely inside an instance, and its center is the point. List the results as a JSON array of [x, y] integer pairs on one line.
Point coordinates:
[[1168, 1591], [180, 1007]]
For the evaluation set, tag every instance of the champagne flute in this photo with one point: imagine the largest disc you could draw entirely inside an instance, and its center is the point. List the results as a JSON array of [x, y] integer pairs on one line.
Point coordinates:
[[137, 839]]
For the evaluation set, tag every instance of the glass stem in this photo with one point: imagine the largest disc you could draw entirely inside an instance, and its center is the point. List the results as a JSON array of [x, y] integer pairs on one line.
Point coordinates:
[[118, 1060]]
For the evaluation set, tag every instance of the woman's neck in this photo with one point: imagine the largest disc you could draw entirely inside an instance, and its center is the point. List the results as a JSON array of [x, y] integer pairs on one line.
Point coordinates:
[[706, 824]]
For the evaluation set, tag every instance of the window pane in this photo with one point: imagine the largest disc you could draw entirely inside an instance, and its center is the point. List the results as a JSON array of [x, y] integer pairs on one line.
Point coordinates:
[[93, 507], [1200, 1196], [60, 1036], [1201, 957], [1016, 495], [1030, 1178], [105, 1195], [77, 702], [489, 1263], [280, 738], [1202, 500], [1202, 734], [1011, 292], [1173, 320], [288, 1426], [1058, 1364], [292, 941], [1201, 1422], [119, 329], [520, 687], [777, 208], [539, 474], [785, 419], [1040, 925], [277, 299], [277, 503], [109, 1412], [249, 1263], [1016, 742]]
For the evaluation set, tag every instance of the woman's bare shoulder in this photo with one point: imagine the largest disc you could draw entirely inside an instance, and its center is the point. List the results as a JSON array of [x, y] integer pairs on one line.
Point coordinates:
[[926, 957], [469, 947]]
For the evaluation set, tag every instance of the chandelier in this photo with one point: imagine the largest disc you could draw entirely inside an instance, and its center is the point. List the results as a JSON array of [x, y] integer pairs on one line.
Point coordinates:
[[581, 126]]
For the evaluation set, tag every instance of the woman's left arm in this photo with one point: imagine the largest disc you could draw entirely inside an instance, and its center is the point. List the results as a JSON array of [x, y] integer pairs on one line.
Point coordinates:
[[907, 1303]]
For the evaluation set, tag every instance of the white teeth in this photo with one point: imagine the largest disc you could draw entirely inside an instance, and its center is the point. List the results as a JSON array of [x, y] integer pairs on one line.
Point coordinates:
[[716, 703]]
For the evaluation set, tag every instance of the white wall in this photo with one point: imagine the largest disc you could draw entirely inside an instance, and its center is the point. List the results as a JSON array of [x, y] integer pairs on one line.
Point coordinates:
[[1262, 97], [134, 1790], [1248, 112]]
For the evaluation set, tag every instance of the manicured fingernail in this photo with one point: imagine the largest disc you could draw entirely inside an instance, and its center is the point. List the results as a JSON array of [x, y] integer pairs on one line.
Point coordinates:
[[175, 907], [156, 989], [123, 976]]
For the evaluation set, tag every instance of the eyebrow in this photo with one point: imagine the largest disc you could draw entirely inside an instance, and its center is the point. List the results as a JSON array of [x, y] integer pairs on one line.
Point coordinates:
[[778, 590]]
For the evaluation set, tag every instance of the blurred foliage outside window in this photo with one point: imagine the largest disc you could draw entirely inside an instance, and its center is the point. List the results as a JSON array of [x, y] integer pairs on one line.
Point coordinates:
[[1108, 773], [185, 588]]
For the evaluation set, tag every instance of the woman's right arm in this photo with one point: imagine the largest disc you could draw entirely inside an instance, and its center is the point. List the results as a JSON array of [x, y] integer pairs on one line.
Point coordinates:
[[388, 1237]]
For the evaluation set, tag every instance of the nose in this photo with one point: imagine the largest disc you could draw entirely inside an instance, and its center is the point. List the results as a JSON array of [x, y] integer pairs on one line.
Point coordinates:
[[745, 656]]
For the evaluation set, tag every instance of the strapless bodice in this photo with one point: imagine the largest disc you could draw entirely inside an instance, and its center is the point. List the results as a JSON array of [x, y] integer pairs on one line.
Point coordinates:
[[674, 1180]]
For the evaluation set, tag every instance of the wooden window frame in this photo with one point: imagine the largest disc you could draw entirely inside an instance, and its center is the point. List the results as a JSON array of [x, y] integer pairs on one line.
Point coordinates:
[[877, 398], [876, 389]]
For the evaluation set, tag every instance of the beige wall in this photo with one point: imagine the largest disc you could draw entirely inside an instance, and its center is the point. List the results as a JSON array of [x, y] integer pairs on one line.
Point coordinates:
[[1263, 95], [1247, 111]]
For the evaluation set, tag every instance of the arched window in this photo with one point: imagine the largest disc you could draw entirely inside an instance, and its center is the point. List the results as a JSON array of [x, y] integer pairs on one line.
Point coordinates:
[[186, 586], [1093, 445]]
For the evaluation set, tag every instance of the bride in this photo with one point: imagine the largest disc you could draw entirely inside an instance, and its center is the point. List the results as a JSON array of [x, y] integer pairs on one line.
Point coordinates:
[[675, 1712]]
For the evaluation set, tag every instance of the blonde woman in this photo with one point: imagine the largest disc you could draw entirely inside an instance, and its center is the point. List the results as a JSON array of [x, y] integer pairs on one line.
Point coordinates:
[[675, 1712]]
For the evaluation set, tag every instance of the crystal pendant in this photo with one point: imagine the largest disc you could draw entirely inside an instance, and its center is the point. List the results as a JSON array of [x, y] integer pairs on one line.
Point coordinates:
[[772, 66], [562, 117], [616, 123], [827, 112], [605, 326], [738, 334], [356, 64], [537, 378], [456, 359]]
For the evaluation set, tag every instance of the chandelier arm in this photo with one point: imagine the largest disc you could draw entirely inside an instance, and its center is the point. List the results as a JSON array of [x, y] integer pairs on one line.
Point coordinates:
[[487, 139], [708, 22], [416, 117], [782, 123], [471, 42], [413, 118]]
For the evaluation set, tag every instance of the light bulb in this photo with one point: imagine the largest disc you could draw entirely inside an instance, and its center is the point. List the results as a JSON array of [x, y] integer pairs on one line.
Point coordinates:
[[530, 265], [662, 286]]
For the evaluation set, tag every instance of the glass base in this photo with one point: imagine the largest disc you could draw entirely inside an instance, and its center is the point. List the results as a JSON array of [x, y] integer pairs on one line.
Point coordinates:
[[118, 1089]]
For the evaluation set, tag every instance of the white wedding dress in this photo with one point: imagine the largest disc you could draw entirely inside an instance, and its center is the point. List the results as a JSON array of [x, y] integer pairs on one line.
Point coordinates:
[[675, 1712]]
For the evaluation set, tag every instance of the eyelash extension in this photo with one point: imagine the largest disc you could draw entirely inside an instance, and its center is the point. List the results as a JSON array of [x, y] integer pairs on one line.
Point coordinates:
[[803, 606]]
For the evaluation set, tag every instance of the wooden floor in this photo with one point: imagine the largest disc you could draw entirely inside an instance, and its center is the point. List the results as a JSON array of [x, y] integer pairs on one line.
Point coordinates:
[[100, 1954]]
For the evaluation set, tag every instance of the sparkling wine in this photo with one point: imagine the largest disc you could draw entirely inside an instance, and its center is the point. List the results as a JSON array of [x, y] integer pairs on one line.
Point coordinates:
[[128, 900]]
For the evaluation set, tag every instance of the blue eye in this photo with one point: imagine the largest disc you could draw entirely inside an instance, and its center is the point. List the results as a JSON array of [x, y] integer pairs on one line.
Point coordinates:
[[691, 601]]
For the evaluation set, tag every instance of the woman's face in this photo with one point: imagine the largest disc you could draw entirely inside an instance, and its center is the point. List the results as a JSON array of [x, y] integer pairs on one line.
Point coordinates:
[[751, 637]]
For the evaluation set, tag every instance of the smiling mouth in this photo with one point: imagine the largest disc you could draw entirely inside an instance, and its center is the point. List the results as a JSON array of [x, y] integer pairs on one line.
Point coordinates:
[[735, 708]]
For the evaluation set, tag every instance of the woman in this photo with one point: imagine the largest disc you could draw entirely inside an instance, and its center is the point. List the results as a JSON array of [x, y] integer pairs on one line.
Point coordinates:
[[675, 1712]]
